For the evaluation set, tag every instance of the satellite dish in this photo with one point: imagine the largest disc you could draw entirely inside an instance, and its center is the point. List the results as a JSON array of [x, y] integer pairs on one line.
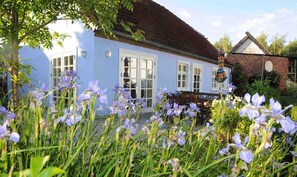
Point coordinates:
[[268, 66]]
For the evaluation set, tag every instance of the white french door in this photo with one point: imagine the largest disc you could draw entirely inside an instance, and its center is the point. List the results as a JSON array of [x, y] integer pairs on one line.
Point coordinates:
[[197, 81], [137, 74], [59, 64]]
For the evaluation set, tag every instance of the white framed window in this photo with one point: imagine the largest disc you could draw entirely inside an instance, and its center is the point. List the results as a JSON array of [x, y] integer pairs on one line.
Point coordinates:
[[59, 64], [215, 86], [183, 76], [197, 78], [137, 74]]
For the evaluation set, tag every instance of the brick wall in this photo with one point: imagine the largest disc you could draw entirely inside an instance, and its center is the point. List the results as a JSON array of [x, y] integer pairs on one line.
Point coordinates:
[[253, 63]]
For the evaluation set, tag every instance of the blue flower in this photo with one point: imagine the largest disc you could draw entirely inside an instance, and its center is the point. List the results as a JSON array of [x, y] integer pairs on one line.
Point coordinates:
[[39, 93], [129, 125], [67, 80], [13, 136], [246, 155], [252, 108], [70, 118], [161, 93], [175, 111], [94, 90], [192, 110], [181, 137], [8, 115]]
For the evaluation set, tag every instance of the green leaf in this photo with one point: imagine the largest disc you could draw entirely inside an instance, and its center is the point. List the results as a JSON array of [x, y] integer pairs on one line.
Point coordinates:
[[51, 171], [37, 164], [3, 175]]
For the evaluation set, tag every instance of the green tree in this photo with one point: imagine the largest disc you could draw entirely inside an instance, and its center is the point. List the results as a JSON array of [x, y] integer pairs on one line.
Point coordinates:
[[25, 23], [291, 49], [262, 39], [277, 46], [225, 43]]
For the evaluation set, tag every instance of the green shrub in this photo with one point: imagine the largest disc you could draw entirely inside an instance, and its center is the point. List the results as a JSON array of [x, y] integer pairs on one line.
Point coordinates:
[[225, 117], [239, 79], [263, 88]]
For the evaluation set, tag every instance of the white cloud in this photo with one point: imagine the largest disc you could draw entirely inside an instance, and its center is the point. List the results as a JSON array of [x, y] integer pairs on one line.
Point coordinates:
[[216, 23]]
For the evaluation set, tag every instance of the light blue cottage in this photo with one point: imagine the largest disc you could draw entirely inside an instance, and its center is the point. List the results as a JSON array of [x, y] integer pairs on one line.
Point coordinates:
[[173, 55]]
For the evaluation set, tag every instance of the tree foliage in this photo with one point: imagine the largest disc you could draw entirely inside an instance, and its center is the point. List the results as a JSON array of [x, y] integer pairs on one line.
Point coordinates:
[[25, 23], [291, 49], [225, 43], [262, 39], [277, 45]]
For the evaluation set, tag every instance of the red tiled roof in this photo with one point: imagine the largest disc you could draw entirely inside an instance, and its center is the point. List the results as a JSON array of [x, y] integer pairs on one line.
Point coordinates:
[[162, 27]]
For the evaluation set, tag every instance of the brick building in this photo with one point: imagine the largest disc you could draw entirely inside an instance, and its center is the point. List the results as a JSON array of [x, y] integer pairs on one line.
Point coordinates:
[[253, 57]]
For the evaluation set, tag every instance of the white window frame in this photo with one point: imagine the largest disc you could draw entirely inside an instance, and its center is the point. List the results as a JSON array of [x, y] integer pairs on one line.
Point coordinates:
[[187, 87], [139, 56], [195, 65], [63, 67]]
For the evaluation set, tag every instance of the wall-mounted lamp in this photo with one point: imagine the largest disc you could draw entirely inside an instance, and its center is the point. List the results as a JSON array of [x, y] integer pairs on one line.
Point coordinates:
[[108, 53], [83, 53]]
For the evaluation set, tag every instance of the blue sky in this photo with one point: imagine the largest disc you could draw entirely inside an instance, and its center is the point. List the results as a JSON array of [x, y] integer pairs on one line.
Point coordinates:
[[214, 18]]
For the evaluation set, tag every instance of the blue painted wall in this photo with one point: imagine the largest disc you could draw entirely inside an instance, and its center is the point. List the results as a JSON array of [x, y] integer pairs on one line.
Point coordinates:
[[97, 66]]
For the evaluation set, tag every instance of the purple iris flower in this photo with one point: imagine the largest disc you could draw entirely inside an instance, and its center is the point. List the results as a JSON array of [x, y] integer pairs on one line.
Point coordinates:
[[161, 93], [94, 90], [181, 137], [129, 125], [175, 111], [67, 80], [8, 115], [277, 113], [70, 118], [3, 110], [158, 119], [15, 137], [245, 154], [39, 93], [251, 109], [192, 110]]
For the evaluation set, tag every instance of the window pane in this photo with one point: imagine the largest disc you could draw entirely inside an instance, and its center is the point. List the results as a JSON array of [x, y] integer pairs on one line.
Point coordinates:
[[133, 73], [149, 74], [126, 62], [71, 58], [133, 62], [143, 93], [143, 64], [149, 84], [65, 61], [149, 103], [149, 93], [185, 68], [178, 83], [133, 83], [126, 72], [179, 67], [133, 93], [143, 74], [143, 83], [149, 64], [184, 77], [183, 84], [179, 77], [59, 62]]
